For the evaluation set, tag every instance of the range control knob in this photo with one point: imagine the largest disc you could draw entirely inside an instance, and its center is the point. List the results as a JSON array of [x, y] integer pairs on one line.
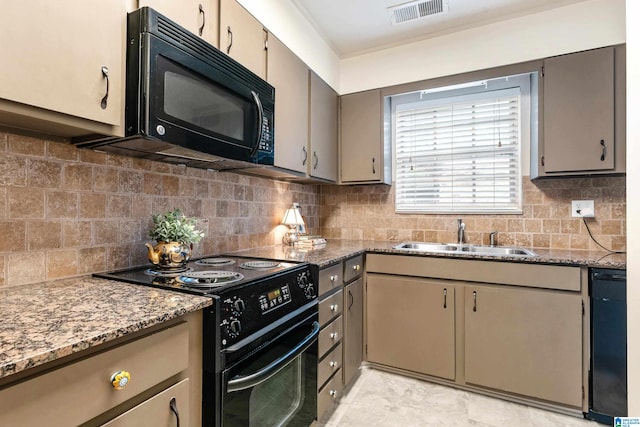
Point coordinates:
[[303, 280], [310, 291], [239, 305], [235, 327]]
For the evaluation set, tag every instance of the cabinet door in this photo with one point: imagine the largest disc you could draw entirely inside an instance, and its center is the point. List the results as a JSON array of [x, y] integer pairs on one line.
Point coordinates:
[[198, 16], [290, 77], [159, 410], [323, 131], [411, 324], [242, 37], [361, 137], [579, 112], [53, 54], [524, 341], [352, 340]]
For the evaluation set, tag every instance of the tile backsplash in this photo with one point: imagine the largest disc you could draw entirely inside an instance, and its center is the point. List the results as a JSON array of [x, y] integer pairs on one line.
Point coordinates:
[[368, 212], [66, 211]]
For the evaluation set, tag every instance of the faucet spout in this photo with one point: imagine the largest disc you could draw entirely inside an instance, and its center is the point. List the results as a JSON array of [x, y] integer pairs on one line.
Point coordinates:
[[461, 228]]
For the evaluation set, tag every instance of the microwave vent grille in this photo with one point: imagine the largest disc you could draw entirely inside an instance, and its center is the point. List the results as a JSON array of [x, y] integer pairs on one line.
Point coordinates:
[[206, 52]]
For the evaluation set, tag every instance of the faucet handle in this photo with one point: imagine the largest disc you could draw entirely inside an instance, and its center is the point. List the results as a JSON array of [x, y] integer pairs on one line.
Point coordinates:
[[492, 238]]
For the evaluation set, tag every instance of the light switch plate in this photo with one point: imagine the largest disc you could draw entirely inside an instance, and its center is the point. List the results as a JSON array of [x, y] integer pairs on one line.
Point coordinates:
[[582, 209]]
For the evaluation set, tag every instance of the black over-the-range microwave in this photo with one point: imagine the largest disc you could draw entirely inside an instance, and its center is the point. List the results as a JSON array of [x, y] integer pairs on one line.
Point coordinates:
[[189, 103]]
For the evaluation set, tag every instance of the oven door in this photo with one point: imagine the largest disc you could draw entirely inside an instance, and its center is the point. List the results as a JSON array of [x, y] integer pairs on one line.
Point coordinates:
[[276, 385]]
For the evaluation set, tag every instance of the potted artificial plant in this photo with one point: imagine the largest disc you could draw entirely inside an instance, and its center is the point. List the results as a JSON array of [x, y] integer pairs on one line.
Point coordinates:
[[175, 235]]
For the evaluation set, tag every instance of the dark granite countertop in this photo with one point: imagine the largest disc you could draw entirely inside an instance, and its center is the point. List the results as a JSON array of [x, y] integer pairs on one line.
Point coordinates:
[[43, 322], [338, 250]]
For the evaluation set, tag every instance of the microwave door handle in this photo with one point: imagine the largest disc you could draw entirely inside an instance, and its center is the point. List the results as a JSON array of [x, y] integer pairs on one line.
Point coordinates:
[[252, 380], [256, 98]]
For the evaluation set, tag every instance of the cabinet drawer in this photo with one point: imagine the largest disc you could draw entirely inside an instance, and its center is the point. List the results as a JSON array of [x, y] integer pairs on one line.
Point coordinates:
[[329, 336], [330, 278], [353, 268], [330, 307], [45, 399], [330, 393], [156, 411], [329, 365]]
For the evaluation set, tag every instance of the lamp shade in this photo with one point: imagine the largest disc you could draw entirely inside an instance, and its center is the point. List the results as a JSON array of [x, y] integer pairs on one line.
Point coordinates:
[[292, 217]]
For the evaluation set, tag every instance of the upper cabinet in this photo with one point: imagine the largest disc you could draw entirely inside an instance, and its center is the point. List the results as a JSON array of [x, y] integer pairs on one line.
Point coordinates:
[[242, 37], [364, 156], [59, 74], [198, 16], [290, 77], [582, 117], [323, 130]]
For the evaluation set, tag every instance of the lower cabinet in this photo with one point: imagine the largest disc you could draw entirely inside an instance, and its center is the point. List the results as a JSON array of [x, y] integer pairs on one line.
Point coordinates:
[[524, 341], [90, 390], [508, 328], [411, 324], [353, 327]]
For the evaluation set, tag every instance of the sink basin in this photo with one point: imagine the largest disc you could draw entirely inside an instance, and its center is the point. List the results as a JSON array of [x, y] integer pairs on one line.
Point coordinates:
[[468, 249]]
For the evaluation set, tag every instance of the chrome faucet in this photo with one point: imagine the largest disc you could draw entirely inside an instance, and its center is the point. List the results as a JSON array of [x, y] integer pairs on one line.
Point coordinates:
[[492, 238], [461, 227]]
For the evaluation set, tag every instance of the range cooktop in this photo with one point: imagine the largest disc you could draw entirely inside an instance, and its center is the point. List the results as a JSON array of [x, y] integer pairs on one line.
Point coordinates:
[[204, 276]]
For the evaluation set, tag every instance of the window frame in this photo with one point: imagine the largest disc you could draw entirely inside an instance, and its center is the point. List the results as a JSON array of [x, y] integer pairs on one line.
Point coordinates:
[[525, 82]]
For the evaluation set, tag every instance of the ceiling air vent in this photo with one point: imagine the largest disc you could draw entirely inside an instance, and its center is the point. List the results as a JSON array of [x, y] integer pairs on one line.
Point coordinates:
[[417, 10]]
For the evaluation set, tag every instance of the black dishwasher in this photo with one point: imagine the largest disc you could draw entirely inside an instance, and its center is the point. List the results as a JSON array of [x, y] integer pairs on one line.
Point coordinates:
[[608, 370]]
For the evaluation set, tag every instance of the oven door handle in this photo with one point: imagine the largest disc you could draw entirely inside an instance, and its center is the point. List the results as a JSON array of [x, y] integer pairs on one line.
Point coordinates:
[[256, 99], [252, 380]]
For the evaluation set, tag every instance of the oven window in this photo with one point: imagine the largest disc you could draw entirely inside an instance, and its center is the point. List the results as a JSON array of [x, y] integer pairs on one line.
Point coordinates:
[[276, 401], [203, 105]]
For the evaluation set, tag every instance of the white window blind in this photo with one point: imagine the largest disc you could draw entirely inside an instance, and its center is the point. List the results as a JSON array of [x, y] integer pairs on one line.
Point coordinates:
[[459, 154]]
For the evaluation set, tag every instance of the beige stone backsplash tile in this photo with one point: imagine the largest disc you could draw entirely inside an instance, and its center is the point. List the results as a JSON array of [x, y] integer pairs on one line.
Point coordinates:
[[91, 260], [26, 267], [44, 235], [92, 205], [63, 263], [61, 204], [77, 176], [61, 151], [44, 173], [27, 145], [14, 234], [105, 179], [13, 170], [76, 234], [26, 202]]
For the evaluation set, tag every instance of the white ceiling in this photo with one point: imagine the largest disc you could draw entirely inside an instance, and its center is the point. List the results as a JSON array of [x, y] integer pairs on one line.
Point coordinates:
[[353, 27]]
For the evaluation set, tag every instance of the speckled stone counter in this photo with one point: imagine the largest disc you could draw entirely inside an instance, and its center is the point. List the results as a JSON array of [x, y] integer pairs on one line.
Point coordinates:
[[338, 250], [43, 322]]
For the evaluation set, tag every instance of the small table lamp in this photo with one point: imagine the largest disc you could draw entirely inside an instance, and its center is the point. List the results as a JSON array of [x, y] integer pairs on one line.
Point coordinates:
[[293, 219]]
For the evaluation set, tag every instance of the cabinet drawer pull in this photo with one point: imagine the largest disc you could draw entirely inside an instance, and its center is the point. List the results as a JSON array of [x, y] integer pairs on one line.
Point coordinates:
[[333, 278], [105, 74], [201, 10], [333, 363], [475, 301], [305, 156], [333, 336], [356, 267], [373, 165], [315, 160], [120, 379], [333, 393], [445, 297], [334, 307], [351, 299], [174, 409], [230, 39], [604, 151]]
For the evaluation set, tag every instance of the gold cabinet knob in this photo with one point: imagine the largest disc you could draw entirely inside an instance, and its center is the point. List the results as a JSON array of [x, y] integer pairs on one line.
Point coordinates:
[[120, 379]]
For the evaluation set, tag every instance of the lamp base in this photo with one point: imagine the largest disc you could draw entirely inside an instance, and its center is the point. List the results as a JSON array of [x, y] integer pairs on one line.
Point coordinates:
[[290, 237]]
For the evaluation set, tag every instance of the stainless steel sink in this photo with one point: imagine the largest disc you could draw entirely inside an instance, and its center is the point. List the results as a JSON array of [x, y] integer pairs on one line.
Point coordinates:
[[462, 249]]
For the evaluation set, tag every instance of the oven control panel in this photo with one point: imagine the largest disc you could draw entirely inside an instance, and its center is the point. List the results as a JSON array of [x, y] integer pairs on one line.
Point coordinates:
[[274, 298], [246, 310]]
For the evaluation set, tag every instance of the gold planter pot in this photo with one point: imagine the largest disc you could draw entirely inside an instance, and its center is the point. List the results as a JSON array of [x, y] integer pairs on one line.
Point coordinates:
[[169, 254]]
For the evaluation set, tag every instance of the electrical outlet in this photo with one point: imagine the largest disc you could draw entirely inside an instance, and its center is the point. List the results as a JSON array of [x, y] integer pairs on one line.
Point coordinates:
[[582, 209]]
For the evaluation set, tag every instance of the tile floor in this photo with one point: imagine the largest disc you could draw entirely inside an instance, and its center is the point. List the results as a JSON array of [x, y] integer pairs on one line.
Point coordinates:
[[383, 399]]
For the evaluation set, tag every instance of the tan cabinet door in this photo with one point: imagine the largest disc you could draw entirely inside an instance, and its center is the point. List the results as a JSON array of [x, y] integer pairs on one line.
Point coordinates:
[[53, 54], [198, 16], [411, 324], [242, 37], [352, 341], [361, 137], [157, 411], [323, 131], [579, 111], [524, 341], [290, 77]]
